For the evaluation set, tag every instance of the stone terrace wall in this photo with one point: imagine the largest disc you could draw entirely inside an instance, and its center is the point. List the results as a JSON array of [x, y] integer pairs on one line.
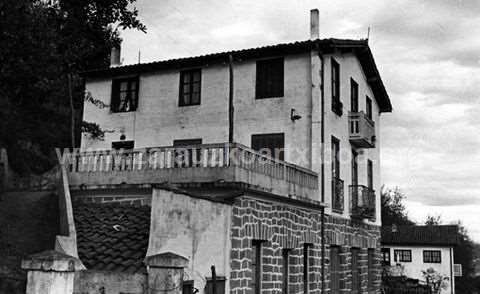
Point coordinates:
[[346, 234], [279, 226]]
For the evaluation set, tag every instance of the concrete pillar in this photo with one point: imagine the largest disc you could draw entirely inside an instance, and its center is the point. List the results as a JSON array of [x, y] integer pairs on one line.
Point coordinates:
[[51, 272], [165, 273]]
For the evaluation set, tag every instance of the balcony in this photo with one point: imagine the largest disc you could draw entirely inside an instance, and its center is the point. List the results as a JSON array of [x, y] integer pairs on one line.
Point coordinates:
[[362, 130], [217, 164], [337, 195], [362, 202]]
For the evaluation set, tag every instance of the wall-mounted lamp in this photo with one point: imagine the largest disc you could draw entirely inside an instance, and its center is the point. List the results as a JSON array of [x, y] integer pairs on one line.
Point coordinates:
[[294, 115]]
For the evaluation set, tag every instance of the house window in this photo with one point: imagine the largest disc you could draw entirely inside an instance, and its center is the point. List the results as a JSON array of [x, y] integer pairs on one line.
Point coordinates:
[[124, 95], [185, 156], [337, 183], [355, 270], [354, 168], [353, 95], [368, 104], [269, 79], [370, 174], [190, 85], [371, 269], [269, 144], [286, 264], [337, 106], [334, 269], [123, 145], [306, 267], [257, 266], [219, 285], [402, 255], [386, 256], [432, 256]]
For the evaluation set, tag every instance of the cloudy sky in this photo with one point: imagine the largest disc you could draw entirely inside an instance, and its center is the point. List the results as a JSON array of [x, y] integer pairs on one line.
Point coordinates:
[[427, 51]]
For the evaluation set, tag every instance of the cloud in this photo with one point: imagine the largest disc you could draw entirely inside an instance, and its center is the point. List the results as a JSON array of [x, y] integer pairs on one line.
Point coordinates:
[[427, 52]]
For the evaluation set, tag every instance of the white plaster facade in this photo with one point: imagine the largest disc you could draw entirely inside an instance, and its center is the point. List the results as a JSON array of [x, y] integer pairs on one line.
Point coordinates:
[[414, 268], [159, 120]]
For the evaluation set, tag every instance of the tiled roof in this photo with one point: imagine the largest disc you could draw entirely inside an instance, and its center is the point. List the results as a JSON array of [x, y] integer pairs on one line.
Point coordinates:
[[359, 47], [421, 235], [112, 237]]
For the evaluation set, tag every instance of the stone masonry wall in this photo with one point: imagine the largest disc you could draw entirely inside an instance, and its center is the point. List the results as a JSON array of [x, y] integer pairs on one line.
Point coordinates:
[[279, 226], [346, 234]]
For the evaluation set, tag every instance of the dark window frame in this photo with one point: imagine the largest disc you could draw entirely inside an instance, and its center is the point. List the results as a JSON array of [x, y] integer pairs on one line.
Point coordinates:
[[335, 148], [184, 157], [131, 100], [123, 145], [370, 174], [268, 141], [354, 164], [306, 267], [256, 265], [355, 270], [368, 108], [353, 95], [335, 270], [270, 78], [187, 79], [402, 255], [337, 106], [285, 269], [430, 257]]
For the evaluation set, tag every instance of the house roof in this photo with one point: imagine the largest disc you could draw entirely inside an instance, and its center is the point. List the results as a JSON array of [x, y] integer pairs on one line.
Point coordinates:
[[421, 235], [111, 237], [359, 47]]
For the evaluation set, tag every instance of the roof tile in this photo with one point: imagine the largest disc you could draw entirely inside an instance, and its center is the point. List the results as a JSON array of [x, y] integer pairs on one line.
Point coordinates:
[[421, 235], [112, 237]]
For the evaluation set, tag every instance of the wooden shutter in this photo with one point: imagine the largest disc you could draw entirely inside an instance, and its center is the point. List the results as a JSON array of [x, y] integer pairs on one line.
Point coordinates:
[[334, 269], [355, 271]]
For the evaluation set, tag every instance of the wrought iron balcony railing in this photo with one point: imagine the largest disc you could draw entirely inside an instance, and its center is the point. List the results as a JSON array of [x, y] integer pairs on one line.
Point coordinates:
[[337, 195], [362, 130], [362, 202], [219, 163]]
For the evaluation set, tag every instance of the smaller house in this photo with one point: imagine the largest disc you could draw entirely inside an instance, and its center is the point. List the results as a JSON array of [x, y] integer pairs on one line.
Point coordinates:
[[413, 250]]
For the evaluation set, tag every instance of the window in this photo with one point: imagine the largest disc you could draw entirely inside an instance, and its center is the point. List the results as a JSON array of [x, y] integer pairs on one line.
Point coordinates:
[[124, 95], [187, 157], [257, 266], [219, 287], [370, 174], [432, 256], [286, 265], [353, 95], [190, 85], [269, 79], [337, 183], [335, 158], [402, 255], [270, 144], [337, 106], [368, 104], [355, 270], [334, 269], [306, 267], [386, 256], [371, 269], [354, 168], [125, 145]]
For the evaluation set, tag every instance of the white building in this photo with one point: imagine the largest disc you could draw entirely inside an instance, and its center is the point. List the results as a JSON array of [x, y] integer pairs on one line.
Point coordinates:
[[315, 104], [412, 250]]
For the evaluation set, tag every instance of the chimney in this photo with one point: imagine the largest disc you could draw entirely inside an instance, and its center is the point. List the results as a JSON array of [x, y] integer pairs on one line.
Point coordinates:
[[314, 24], [115, 56]]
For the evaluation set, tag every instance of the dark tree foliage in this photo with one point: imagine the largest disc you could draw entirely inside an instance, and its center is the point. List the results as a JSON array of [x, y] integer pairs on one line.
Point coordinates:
[[393, 209], [463, 254], [43, 48]]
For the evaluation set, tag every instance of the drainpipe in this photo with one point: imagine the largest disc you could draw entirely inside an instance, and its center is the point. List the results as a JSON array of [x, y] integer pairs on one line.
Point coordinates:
[[322, 168], [230, 100]]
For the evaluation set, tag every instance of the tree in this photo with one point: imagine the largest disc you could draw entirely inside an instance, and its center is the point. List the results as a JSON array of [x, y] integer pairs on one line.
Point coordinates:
[[463, 254], [433, 220], [43, 48], [393, 209]]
